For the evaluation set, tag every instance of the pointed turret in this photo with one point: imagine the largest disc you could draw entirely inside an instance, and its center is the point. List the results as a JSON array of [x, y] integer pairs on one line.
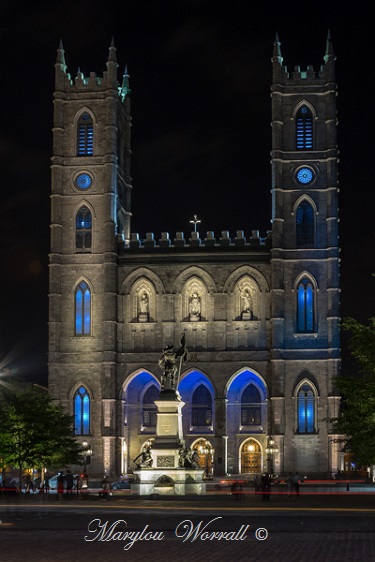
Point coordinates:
[[60, 59], [61, 76], [112, 65], [112, 52], [277, 50], [329, 48], [124, 89], [277, 60], [329, 59]]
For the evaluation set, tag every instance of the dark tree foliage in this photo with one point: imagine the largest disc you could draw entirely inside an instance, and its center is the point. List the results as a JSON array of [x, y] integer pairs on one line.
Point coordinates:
[[357, 418], [35, 432]]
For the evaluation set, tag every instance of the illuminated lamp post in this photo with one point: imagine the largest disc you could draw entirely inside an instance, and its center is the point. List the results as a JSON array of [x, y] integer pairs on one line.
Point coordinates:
[[87, 452], [271, 450]]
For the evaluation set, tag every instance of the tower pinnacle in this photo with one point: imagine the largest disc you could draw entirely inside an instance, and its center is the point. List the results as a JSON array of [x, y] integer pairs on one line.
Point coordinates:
[[60, 59], [329, 48], [277, 50], [124, 88]]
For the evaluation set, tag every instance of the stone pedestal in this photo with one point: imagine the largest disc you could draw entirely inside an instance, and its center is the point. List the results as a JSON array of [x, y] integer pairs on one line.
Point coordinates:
[[166, 476], [170, 482], [246, 315]]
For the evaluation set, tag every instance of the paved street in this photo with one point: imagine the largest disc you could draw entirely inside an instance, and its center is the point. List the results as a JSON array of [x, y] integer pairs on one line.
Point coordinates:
[[308, 528]]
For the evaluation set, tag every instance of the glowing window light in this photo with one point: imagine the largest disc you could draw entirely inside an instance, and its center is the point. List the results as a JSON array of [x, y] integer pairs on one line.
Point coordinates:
[[85, 136], [305, 306], [306, 410], [304, 129], [83, 310], [81, 412]]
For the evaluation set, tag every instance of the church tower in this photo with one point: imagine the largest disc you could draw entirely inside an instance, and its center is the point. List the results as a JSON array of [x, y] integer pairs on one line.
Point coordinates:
[[90, 213], [304, 261]]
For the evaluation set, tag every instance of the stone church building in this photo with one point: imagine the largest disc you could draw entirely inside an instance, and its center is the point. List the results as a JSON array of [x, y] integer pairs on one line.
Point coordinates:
[[260, 314]]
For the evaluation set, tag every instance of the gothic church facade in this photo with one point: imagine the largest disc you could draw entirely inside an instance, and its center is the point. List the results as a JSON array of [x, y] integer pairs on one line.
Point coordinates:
[[260, 315]]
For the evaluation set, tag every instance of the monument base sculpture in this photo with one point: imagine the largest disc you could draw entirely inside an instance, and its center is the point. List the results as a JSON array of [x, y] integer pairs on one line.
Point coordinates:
[[168, 468]]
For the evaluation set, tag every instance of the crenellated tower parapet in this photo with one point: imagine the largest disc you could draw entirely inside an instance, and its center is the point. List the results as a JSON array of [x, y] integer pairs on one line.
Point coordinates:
[[309, 77], [194, 241]]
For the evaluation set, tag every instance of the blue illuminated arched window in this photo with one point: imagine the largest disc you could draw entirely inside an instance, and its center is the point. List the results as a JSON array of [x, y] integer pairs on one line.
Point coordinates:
[[304, 129], [83, 230], [305, 225], [201, 407], [305, 306], [306, 409], [251, 408], [149, 408], [83, 310], [82, 412], [85, 135]]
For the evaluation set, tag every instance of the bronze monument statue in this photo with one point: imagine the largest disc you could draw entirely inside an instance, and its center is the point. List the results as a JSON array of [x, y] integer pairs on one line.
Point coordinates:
[[170, 362]]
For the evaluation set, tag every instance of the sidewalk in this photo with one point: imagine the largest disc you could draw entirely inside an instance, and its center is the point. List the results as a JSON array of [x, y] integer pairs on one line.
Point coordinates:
[[309, 498]]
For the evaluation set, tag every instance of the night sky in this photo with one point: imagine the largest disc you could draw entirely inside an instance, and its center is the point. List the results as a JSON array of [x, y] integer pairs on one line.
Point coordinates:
[[200, 76]]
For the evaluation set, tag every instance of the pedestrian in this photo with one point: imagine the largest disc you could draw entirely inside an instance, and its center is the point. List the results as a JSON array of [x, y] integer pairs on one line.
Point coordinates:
[[266, 487], [27, 483], [37, 482], [105, 491], [69, 481], [46, 482], [296, 481], [84, 485], [257, 483], [60, 486], [290, 483]]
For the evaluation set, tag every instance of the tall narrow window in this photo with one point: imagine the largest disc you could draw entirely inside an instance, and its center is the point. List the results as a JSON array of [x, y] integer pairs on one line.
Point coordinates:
[[304, 129], [85, 135], [306, 410], [201, 407], [149, 408], [82, 412], [305, 306], [305, 225], [251, 412], [83, 310], [83, 230]]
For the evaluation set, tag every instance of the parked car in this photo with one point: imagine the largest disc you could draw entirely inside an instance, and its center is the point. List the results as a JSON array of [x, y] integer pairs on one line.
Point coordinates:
[[53, 483], [8, 488], [122, 484]]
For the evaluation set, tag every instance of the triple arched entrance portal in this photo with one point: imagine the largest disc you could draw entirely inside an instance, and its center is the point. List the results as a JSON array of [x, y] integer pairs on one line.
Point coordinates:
[[244, 414]]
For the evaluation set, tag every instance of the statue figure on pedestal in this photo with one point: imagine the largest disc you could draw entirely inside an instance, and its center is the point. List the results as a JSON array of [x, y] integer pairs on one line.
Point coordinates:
[[143, 305], [189, 458], [246, 313], [145, 459], [170, 362]]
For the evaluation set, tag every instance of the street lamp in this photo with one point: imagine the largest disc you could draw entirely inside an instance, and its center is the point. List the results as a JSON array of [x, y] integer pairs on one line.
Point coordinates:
[[87, 452], [271, 450]]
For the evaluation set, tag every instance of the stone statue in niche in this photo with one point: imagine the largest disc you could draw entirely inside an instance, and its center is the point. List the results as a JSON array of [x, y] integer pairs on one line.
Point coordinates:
[[143, 307], [195, 307], [246, 311]]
